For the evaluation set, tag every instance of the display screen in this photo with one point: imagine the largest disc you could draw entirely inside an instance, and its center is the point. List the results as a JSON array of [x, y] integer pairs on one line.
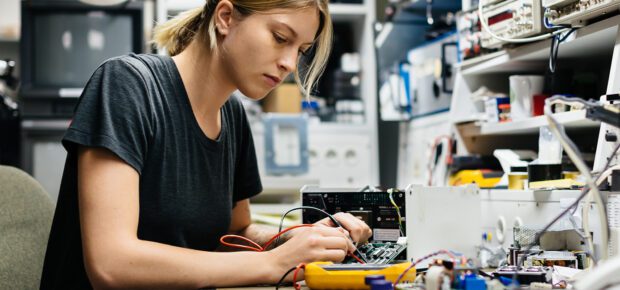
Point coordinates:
[[68, 47], [508, 14]]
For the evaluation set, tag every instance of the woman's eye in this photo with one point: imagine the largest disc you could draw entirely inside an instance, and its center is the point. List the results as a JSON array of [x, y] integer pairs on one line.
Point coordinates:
[[278, 38]]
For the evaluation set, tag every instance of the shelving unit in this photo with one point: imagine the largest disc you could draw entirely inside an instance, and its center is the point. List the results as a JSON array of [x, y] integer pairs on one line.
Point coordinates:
[[570, 120], [596, 42], [596, 46], [595, 39], [575, 119]]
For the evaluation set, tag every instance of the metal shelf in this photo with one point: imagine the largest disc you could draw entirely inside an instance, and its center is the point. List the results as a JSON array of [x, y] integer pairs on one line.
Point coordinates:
[[597, 39], [573, 119], [285, 185]]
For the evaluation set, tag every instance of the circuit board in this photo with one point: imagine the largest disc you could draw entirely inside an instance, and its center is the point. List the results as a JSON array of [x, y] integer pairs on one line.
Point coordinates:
[[378, 253]]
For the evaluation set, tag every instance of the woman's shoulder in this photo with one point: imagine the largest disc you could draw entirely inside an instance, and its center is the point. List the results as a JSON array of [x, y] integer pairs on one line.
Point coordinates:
[[142, 64]]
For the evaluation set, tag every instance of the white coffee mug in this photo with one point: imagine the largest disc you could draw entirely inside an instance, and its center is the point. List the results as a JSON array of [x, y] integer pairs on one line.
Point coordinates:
[[522, 90]]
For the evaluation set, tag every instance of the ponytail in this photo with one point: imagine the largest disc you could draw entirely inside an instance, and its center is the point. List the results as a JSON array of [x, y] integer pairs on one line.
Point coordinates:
[[176, 34]]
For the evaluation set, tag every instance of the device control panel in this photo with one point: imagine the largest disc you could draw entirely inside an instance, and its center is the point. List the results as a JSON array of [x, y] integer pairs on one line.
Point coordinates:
[[511, 20]]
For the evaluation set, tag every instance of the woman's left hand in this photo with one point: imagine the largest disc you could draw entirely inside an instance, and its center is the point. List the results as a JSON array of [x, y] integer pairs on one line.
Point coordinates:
[[356, 228]]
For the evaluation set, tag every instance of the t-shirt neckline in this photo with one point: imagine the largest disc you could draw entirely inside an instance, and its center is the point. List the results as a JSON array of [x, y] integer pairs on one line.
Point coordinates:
[[181, 93]]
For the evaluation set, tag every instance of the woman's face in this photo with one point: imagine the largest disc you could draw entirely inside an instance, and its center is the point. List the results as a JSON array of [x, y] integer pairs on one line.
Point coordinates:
[[260, 50]]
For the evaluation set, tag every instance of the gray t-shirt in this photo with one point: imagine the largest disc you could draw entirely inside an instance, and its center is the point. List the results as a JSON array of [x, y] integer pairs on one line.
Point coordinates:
[[136, 106]]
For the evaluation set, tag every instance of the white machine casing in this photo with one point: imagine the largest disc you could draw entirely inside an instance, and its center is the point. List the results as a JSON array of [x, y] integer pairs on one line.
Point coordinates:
[[432, 75], [512, 19], [502, 210], [442, 218], [578, 12]]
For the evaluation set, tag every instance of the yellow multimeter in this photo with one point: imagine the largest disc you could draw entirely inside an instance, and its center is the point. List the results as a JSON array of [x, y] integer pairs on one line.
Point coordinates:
[[327, 275]]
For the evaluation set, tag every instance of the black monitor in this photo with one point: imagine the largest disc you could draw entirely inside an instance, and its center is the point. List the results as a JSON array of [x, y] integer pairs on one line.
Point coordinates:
[[63, 42]]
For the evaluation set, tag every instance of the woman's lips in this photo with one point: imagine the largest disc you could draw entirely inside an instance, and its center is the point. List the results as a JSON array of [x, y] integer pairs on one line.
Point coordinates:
[[271, 80]]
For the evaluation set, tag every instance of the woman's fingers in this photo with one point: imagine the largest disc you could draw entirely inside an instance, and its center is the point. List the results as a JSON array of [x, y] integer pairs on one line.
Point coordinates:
[[336, 238], [357, 228], [333, 255]]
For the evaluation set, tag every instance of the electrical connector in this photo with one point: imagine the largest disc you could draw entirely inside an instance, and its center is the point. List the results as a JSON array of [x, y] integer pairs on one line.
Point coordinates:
[[604, 114]]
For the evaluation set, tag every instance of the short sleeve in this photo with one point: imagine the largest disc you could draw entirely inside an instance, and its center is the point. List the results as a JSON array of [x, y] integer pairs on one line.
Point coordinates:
[[247, 177], [113, 113]]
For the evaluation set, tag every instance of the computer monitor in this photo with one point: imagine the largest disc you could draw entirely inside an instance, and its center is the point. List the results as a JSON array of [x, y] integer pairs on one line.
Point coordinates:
[[63, 42]]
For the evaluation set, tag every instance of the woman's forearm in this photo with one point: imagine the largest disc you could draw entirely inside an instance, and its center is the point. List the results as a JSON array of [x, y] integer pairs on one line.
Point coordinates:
[[145, 264], [259, 233]]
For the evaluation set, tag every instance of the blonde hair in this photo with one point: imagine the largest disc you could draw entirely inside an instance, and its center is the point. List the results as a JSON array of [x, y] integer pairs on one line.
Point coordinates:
[[176, 34]]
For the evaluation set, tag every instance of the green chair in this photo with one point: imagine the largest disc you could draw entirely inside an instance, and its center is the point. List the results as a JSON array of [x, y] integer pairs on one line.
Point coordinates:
[[26, 213]]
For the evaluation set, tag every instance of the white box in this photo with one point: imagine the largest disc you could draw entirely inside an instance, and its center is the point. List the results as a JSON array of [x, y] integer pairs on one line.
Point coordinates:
[[442, 218]]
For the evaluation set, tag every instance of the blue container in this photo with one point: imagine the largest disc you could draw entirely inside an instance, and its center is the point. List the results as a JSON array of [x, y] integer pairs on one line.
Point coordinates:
[[369, 278], [381, 285]]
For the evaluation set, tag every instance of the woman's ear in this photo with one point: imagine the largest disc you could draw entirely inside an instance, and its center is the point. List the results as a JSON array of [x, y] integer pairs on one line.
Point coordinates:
[[223, 16]]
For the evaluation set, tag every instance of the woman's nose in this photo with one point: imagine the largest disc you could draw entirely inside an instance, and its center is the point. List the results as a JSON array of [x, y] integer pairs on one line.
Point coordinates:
[[287, 61]]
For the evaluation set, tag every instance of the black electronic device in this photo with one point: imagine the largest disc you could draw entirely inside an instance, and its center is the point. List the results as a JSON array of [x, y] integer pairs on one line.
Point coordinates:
[[384, 215], [63, 42]]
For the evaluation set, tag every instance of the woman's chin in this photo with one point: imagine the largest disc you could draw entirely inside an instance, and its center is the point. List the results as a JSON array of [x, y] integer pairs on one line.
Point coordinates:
[[256, 95]]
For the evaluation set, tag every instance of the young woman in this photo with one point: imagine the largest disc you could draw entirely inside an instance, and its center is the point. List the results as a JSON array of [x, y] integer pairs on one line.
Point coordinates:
[[161, 161]]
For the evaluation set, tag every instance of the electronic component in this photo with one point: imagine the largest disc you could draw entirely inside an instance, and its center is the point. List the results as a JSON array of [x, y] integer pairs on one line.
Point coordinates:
[[446, 274], [386, 219], [525, 275], [379, 253], [512, 19], [469, 31], [556, 258], [326, 275], [577, 12]]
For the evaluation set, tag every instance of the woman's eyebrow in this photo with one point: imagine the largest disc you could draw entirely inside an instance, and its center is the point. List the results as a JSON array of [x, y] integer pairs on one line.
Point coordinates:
[[289, 28]]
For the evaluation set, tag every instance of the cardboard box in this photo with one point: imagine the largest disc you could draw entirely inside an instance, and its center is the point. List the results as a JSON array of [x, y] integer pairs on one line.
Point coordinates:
[[286, 98]]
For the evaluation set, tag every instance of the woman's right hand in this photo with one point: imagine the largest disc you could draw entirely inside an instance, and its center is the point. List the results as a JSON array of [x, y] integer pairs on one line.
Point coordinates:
[[312, 244]]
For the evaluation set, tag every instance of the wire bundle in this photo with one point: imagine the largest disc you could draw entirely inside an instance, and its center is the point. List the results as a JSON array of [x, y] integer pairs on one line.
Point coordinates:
[[254, 246], [591, 187], [258, 248], [400, 219], [573, 152]]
